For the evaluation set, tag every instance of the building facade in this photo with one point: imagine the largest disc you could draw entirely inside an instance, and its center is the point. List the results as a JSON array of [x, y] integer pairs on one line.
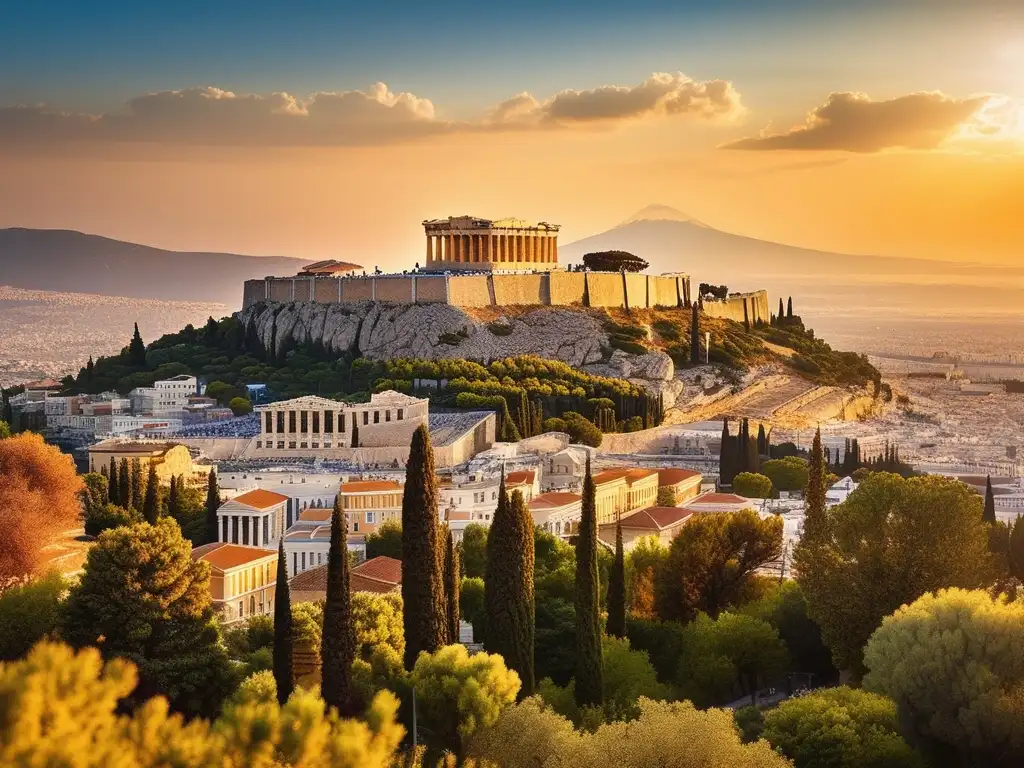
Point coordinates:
[[170, 459], [307, 542], [254, 519], [623, 491], [242, 579], [369, 503], [314, 425], [471, 243]]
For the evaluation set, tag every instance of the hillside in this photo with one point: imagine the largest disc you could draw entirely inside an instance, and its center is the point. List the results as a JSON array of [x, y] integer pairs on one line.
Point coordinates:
[[64, 260]]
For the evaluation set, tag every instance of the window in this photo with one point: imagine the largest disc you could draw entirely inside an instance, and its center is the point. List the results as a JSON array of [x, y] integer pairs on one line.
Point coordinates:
[[400, 411], [252, 605], [328, 422], [319, 558], [303, 561], [366, 417], [371, 517], [291, 421], [266, 530], [295, 563], [241, 608], [341, 422], [304, 421], [269, 422], [316, 422], [387, 415]]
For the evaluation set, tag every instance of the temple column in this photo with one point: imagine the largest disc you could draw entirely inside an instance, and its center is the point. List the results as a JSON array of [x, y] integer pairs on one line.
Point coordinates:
[[430, 249], [520, 248], [474, 249], [554, 249], [491, 247]]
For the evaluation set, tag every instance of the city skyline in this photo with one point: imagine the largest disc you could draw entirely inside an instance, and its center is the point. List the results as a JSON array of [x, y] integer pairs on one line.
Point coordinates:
[[893, 129]]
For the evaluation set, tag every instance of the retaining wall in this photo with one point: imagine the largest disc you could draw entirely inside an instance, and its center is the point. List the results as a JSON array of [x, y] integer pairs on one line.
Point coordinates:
[[741, 306], [469, 290]]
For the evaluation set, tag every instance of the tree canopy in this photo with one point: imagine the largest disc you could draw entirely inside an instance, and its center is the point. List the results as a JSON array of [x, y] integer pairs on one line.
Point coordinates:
[[613, 261], [752, 485]]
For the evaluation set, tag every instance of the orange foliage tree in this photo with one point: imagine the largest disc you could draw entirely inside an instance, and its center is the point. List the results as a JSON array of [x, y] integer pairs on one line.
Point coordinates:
[[38, 500]]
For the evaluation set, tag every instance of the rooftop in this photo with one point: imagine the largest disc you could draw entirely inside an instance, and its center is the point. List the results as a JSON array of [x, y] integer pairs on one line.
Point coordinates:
[[676, 476], [379, 575], [315, 515], [719, 498], [261, 499], [329, 267], [657, 518], [446, 428], [522, 476], [554, 499], [126, 446], [224, 556], [370, 486], [629, 475]]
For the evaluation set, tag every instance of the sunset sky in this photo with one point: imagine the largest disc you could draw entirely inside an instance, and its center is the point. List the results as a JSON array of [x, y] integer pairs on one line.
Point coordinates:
[[332, 129]]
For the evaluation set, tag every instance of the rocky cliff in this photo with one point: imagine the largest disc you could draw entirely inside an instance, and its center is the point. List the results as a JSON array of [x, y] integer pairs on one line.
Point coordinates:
[[435, 331]]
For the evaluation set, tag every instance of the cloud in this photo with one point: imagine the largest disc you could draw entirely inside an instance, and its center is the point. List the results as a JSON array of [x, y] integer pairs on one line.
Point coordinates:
[[662, 94], [853, 122], [377, 115]]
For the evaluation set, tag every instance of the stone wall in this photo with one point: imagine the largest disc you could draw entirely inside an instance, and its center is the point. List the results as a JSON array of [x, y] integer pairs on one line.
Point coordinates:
[[740, 307], [605, 289]]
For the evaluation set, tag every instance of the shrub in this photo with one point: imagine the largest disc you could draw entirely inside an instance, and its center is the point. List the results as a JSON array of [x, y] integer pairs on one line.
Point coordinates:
[[240, 406], [28, 613], [752, 485]]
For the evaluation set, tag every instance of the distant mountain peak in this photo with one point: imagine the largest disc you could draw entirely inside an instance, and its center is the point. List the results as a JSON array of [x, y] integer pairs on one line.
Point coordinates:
[[656, 212]]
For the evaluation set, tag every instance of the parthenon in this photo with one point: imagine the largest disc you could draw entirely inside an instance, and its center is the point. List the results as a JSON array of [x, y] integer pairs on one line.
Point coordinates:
[[470, 243]]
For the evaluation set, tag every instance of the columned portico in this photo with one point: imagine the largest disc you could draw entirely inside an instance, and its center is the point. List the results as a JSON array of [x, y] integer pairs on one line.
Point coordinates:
[[468, 243]]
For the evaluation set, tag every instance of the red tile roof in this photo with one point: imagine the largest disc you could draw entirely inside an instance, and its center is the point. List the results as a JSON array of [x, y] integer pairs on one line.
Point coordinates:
[[629, 475], [657, 518], [675, 476], [315, 579], [719, 498], [382, 569], [555, 499], [224, 556], [523, 476], [261, 499], [315, 515], [367, 486]]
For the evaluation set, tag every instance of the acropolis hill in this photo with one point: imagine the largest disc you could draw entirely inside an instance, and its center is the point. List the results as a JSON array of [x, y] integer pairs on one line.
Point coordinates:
[[473, 262]]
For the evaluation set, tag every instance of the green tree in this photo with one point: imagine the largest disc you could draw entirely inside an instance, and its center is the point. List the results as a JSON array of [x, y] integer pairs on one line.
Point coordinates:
[[588, 629], [95, 493], [107, 517], [61, 708], [666, 496], [284, 678], [5, 430], [458, 694], [815, 498], [613, 261], [137, 350], [137, 488], [1016, 551], [617, 587], [452, 581], [377, 621], [422, 561], [240, 406], [212, 505], [508, 587], [642, 564], [151, 501], [124, 485], [789, 474], [785, 608], [581, 430], [142, 597], [753, 647], [173, 499], [338, 650], [839, 728], [752, 485], [989, 515], [695, 334], [386, 541], [114, 484], [474, 550], [471, 605], [712, 561], [891, 541], [29, 612], [951, 661]]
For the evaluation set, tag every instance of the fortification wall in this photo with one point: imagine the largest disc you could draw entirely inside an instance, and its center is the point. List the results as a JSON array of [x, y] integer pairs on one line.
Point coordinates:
[[605, 289], [739, 307], [469, 290]]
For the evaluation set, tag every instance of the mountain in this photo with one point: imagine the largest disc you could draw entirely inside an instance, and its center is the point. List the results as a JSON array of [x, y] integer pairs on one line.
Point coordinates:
[[68, 261]]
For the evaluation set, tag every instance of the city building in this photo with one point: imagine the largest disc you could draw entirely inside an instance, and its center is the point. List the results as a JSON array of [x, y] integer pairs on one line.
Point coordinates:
[[368, 503], [171, 459], [840, 492], [308, 541], [684, 483], [663, 523], [242, 579], [257, 518], [622, 491], [557, 512], [565, 469], [723, 502], [167, 397], [471, 243], [526, 481], [378, 575]]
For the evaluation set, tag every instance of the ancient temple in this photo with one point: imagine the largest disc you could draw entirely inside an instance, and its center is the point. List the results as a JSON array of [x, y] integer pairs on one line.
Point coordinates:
[[467, 243]]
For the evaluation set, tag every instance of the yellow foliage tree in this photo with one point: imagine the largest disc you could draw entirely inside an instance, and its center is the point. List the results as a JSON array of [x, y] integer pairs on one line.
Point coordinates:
[[57, 707]]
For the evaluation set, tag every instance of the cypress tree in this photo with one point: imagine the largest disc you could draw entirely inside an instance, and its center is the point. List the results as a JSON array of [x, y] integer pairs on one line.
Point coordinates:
[[114, 487], [789, 309], [453, 584], [89, 368], [151, 503], [726, 457], [589, 682], [695, 335], [283, 673], [124, 484], [212, 504], [136, 490], [338, 648], [814, 500], [617, 587], [136, 349], [173, 502], [782, 311], [508, 587], [990, 502], [762, 441], [423, 597], [1016, 551]]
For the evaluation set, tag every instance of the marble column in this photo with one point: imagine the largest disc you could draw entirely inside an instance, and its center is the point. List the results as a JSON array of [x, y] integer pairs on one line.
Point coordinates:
[[430, 249]]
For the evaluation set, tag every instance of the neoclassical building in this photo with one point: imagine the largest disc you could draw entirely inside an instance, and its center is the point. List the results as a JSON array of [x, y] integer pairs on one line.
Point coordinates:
[[471, 243], [314, 425]]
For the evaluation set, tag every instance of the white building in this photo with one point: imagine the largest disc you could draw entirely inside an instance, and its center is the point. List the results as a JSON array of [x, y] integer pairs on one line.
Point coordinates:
[[172, 394], [143, 426], [557, 512], [840, 492], [308, 542], [256, 519]]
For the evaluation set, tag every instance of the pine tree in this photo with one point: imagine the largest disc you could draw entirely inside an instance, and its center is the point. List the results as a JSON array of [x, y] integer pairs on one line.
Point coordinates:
[[283, 674], [151, 503], [695, 335], [114, 487], [782, 311], [814, 499], [422, 560], [136, 349], [137, 489], [990, 503], [338, 647], [617, 587], [453, 583], [124, 484], [508, 587], [212, 505], [589, 682]]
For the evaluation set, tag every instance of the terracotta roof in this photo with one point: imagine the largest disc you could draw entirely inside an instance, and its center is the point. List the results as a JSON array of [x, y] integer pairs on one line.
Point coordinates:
[[118, 446], [719, 498], [224, 556], [459, 515], [260, 499], [382, 569], [315, 515], [44, 384], [329, 267], [629, 475], [676, 476], [308, 534], [523, 476], [656, 518], [555, 499], [367, 486]]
